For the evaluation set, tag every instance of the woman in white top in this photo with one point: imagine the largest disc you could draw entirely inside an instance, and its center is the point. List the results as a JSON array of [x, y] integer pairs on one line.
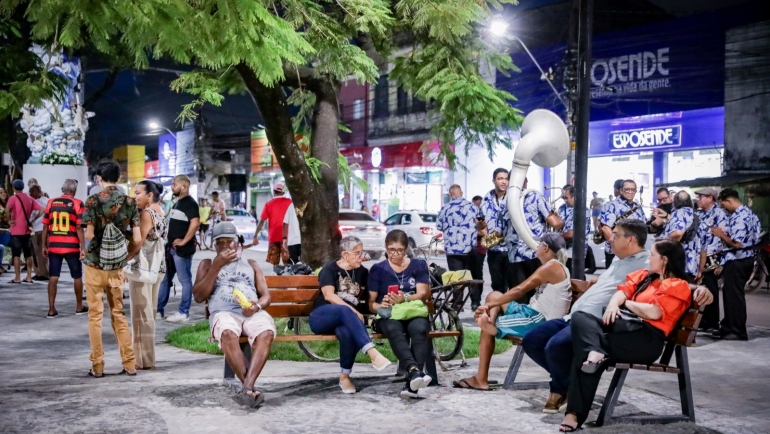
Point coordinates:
[[501, 316]]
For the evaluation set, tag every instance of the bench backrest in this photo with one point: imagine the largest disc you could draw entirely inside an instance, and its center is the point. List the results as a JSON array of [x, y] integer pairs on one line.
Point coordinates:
[[685, 330]]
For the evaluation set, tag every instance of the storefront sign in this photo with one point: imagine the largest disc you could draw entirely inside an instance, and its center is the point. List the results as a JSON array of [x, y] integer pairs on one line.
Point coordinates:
[[167, 155], [659, 137], [376, 157], [415, 154], [151, 169], [185, 147]]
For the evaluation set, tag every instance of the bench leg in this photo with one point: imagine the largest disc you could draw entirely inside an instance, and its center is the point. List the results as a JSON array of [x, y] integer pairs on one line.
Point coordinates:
[[513, 369], [685, 386], [613, 393], [246, 350], [430, 364]]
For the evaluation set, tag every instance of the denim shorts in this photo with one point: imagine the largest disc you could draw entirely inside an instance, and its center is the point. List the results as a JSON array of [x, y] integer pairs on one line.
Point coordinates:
[[73, 261]]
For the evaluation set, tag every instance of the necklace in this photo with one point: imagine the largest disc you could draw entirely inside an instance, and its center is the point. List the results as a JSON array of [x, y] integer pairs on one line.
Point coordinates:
[[400, 280], [353, 272]]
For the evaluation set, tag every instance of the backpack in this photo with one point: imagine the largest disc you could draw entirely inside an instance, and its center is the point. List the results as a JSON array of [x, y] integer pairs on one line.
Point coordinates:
[[113, 249], [689, 233]]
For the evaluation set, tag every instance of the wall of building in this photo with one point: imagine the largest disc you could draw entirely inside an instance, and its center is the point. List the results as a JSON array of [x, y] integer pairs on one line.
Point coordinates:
[[747, 98]]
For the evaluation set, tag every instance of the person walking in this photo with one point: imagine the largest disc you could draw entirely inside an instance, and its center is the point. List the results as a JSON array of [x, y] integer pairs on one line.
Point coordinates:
[[292, 238], [63, 240], [144, 295], [218, 210], [21, 208], [5, 228], [180, 248], [107, 216], [274, 213], [41, 263]]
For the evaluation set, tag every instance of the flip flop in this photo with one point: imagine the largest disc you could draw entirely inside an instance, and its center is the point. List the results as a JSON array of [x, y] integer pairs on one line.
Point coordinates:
[[243, 398], [125, 372], [15, 281], [463, 384], [592, 367], [91, 373], [28, 282]]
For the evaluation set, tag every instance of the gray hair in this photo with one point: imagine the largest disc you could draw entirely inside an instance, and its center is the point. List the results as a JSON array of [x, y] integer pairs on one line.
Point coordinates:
[[349, 243], [69, 186]]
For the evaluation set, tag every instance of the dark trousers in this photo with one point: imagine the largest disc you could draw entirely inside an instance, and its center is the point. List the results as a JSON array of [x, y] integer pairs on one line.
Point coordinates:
[[550, 345], [711, 312], [345, 324], [468, 262], [518, 272], [295, 252], [608, 257], [477, 272], [735, 274], [590, 334], [400, 333], [497, 262]]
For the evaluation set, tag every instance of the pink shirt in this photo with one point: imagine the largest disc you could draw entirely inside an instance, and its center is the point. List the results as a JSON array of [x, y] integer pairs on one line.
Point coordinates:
[[20, 224]]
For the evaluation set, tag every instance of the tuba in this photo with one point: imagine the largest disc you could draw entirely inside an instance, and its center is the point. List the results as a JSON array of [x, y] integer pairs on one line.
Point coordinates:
[[544, 140]]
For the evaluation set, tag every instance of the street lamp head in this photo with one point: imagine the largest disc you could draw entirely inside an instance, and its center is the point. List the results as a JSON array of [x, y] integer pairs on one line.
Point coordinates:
[[153, 125], [498, 26]]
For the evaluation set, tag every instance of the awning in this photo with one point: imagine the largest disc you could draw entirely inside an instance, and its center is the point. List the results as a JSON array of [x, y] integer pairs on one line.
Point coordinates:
[[720, 181]]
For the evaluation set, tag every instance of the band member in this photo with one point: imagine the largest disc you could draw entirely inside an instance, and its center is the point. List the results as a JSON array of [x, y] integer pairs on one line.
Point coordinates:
[[682, 226], [711, 216], [617, 208], [457, 221], [523, 260], [494, 209], [566, 213], [664, 209], [742, 232]]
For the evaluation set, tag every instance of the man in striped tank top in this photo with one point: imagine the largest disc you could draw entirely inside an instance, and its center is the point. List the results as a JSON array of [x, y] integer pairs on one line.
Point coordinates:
[[63, 240]]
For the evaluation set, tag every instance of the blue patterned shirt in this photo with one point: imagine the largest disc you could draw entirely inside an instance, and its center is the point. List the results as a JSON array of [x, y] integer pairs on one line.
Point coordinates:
[[536, 210], [567, 215], [742, 226], [713, 218], [681, 219], [457, 220], [612, 210], [495, 215]]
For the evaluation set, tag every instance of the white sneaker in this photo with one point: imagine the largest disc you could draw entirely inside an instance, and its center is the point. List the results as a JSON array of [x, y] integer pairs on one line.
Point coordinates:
[[178, 318], [158, 316]]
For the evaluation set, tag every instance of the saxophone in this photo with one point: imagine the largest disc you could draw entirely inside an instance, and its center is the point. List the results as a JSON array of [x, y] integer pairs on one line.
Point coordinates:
[[491, 240], [599, 235], [712, 262]]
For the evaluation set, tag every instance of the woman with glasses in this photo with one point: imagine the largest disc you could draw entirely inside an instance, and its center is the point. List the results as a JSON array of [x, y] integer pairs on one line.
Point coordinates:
[[397, 280], [343, 283]]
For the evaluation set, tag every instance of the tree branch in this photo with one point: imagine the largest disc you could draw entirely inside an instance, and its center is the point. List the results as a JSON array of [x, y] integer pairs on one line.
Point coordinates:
[[366, 43], [109, 81], [299, 75]]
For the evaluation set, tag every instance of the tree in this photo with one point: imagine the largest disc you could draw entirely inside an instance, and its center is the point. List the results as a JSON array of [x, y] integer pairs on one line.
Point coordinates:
[[296, 52]]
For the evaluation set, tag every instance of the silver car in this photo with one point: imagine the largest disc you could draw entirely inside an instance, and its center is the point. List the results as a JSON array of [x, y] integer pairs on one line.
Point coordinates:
[[420, 227], [363, 226], [244, 223]]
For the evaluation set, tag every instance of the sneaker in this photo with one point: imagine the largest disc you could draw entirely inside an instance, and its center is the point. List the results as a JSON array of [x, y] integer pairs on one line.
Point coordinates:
[[555, 403], [178, 317], [407, 392], [418, 380], [52, 315], [82, 311], [159, 316]]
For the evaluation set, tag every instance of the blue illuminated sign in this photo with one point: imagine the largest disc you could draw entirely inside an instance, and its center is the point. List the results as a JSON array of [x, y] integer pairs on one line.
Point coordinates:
[[669, 136]]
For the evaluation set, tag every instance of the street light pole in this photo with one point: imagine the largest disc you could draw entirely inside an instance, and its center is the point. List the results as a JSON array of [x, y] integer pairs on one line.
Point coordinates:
[[156, 126], [581, 151], [542, 73]]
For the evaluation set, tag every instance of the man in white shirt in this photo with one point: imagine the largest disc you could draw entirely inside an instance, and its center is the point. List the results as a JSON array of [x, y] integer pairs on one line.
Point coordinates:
[[41, 262], [292, 239]]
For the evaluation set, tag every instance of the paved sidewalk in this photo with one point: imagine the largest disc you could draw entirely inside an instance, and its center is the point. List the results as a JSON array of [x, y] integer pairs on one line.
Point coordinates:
[[44, 387]]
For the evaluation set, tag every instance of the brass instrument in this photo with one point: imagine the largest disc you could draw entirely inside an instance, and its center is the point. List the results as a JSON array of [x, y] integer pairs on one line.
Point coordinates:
[[712, 262], [491, 240], [598, 237]]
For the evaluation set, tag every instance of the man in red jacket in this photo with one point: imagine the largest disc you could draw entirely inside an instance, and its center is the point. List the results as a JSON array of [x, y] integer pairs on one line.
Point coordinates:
[[274, 212]]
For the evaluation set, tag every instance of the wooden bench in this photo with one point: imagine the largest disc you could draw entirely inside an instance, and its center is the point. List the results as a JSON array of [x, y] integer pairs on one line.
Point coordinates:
[[293, 297]]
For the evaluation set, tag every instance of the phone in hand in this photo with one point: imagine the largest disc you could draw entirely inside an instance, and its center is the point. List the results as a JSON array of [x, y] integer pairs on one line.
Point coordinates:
[[393, 289]]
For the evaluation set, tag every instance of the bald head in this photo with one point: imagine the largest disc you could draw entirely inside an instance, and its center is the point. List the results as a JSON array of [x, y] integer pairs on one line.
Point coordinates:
[[455, 191], [69, 187]]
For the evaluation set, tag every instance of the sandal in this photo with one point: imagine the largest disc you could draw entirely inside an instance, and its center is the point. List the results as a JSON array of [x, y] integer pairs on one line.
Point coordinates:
[[592, 367], [126, 372], [91, 373], [463, 384], [244, 398], [568, 428], [15, 281]]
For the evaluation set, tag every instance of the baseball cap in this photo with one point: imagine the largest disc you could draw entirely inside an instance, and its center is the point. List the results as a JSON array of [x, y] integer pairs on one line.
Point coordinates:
[[18, 184], [278, 188], [708, 191], [553, 240], [224, 230]]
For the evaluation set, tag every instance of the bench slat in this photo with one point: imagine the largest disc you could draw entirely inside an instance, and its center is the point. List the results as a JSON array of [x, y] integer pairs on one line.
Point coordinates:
[[293, 295], [297, 282], [312, 338], [514, 339], [289, 310]]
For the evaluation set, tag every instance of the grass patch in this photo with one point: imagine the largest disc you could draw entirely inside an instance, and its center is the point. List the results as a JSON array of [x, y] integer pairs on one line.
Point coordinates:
[[195, 338]]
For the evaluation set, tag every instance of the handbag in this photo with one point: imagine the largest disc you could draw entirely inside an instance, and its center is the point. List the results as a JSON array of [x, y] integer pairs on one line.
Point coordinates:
[[409, 310], [626, 321]]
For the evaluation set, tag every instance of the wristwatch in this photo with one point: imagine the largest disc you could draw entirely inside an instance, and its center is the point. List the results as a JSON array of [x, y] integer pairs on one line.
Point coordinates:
[[259, 306]]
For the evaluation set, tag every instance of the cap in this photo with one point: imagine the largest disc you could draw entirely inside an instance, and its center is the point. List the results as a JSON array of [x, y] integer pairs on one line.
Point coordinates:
[[278, 188], [618, 184], [224, 230], [18, 184], [708, 191], [553, 240]]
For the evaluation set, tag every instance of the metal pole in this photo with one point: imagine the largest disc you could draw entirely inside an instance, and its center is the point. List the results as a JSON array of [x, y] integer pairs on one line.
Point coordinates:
[[581, 151], [542, 73]]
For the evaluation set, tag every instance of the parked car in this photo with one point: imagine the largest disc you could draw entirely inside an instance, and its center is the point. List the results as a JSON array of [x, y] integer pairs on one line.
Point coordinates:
[[420, 226], [244, 223], [366, 228]]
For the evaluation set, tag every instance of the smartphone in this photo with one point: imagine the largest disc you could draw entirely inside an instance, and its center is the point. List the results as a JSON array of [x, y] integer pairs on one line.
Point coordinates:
[[393, 289]]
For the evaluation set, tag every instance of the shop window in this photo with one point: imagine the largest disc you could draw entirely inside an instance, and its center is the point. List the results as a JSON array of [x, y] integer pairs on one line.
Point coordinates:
[[402, 99], [358, 109], [393, 220], [381, 109], [418, 105]]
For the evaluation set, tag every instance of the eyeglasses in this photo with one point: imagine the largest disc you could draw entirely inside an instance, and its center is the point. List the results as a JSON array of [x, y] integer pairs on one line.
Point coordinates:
[[629, 190], [357, 254], [399, 252]]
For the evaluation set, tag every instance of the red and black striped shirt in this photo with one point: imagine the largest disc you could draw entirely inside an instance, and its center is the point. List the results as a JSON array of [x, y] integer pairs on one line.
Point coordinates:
[[63, 216]]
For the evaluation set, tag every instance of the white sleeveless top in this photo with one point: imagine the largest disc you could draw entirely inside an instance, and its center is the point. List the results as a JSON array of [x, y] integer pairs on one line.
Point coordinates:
[[553, 300]]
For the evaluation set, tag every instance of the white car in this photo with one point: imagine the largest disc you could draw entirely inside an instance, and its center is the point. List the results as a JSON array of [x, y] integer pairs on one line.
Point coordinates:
[[244, 223], [363, 226], [420, 226]]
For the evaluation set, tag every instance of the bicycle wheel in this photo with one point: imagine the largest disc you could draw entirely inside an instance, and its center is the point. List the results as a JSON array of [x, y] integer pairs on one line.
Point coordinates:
[[449, 347], [321, 351]]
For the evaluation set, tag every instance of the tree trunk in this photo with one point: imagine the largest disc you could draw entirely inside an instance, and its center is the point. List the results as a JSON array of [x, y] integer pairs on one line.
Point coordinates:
[[317, 204]]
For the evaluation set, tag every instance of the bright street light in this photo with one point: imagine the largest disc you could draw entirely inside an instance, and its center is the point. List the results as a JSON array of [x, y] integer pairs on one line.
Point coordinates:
[[153, 125], [498, 27]]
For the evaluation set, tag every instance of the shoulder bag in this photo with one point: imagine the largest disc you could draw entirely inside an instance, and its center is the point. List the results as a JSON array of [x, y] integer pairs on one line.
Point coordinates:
[[145, 266]]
